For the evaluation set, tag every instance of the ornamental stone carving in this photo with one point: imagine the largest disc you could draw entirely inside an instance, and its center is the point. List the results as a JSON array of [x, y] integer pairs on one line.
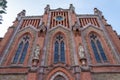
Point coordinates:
[[81, 51], [36, 52]]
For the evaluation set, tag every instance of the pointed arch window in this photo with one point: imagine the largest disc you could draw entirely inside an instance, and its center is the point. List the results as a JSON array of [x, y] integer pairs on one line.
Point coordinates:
[[101, 50], [21, 50], [95, 51], [18, 52], [97, 48], [62, 52], [24, 52], [59, 49], [56, 55]]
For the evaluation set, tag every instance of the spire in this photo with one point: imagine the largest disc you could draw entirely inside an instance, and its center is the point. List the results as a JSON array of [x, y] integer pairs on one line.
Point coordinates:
[[21, 14], [47, 9], [72, 8], [98, 12]]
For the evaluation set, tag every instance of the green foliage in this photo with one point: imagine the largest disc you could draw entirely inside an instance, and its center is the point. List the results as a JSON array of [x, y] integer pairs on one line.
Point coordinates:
[[0, 19], [3, 6], [2, 11]]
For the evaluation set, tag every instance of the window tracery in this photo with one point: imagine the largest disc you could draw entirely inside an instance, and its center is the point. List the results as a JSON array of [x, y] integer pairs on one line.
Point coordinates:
[[97, 48], [59, 49], [21, 50]]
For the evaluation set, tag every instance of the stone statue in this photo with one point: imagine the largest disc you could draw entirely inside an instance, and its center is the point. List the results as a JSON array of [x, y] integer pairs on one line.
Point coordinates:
[[37, 52], [81, 51]]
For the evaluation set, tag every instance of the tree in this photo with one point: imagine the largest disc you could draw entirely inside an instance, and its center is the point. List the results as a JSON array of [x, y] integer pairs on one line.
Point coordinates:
[[0, 19], [3, 7]]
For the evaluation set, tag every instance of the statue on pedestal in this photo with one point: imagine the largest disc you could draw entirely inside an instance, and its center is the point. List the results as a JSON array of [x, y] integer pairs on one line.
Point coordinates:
[[81, 51], [36, 55], [83, 59], [37, 52]]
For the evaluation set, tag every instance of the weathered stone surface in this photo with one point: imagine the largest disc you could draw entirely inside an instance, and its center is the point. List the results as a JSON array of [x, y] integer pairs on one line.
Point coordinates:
[[106, 76], [13, 77]]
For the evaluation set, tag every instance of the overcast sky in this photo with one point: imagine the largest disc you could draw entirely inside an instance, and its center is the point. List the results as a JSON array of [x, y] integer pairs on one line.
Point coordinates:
[[110, 9]]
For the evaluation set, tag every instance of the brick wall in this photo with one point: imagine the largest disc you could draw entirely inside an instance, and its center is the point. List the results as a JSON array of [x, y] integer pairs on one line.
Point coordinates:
[[114, 37], [6, 39]]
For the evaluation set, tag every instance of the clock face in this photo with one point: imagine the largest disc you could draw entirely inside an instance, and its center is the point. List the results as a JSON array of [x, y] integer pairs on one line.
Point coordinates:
[[59, 18]]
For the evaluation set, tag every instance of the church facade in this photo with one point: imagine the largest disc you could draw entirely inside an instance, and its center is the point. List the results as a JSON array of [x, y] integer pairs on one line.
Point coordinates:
[[60, 45]]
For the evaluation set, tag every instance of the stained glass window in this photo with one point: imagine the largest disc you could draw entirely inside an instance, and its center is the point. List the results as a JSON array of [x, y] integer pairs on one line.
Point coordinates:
[[18, 52], [24, 52], [59, 49], [101, 50], [21, 50], [97, 57], [97, 49], [56, 55], [62, 52]]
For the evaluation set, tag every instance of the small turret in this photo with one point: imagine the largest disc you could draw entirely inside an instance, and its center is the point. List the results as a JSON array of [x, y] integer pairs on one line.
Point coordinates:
[[21, 14], [72, 8], [98, 12], [47, 9]]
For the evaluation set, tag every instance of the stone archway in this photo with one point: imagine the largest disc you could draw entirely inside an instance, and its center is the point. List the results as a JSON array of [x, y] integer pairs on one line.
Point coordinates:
[[59, 76], [59, 71]]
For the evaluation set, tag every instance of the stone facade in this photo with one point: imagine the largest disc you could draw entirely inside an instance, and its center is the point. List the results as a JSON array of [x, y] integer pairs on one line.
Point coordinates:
[[13, 77], [106, 76], [59, 33]]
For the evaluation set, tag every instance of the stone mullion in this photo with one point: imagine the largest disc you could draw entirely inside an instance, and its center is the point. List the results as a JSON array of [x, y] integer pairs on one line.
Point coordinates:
[[98, 51], [59, 51], [20, 52]]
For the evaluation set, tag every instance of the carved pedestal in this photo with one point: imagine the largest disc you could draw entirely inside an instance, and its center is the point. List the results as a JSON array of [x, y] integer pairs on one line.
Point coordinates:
[[83, 61], [35, 62]]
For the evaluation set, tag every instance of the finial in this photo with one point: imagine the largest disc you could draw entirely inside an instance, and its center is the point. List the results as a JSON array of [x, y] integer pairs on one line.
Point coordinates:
[[47, 9], [98, 12], [72, 8], [21, 14]]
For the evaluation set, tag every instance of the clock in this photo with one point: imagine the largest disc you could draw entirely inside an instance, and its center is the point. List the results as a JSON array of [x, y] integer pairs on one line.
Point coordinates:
[[59, 18]]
